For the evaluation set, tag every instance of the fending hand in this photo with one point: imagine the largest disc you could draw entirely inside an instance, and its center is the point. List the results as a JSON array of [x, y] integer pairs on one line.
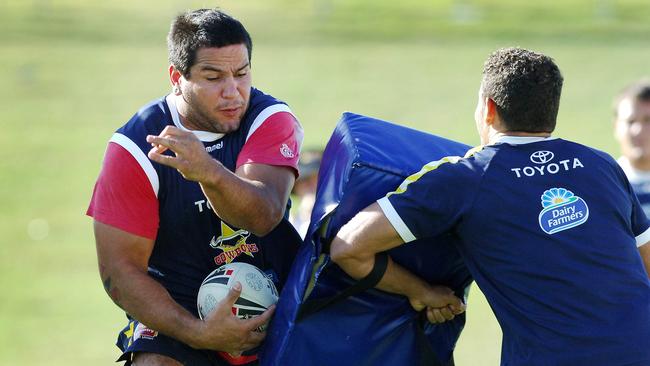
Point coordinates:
[[190, 157]]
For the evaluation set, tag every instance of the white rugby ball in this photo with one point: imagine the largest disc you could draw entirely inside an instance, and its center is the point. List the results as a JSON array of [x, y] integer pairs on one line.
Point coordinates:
[[258, 291]]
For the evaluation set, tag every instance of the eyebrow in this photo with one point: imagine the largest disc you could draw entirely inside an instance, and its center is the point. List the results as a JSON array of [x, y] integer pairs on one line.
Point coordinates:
[[216, 69]]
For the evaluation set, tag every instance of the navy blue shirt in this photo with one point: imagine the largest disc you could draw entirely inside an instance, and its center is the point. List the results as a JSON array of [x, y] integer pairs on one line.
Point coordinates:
[[549, 229], [190, 239]]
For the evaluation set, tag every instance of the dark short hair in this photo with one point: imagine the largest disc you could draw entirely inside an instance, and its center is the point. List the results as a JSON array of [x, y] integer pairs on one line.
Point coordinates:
[[637, 91], [309, 162], [195, 29], [526, 88]]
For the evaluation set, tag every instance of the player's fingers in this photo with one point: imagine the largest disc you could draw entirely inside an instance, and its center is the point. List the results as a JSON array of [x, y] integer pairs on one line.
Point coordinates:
[[458, 307], [447, 313], [254, 340], [172, 131], [434, 315], [264, 318], [163, 159], [158, 149], [167, 142], [232, 295]]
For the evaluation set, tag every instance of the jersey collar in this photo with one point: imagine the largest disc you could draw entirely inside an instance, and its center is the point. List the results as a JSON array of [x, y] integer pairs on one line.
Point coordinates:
[[633, 174], [520, 140], [204, 136]]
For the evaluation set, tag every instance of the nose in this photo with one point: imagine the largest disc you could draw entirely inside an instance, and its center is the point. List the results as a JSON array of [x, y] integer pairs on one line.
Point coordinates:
[[636, 128], [229, 88]]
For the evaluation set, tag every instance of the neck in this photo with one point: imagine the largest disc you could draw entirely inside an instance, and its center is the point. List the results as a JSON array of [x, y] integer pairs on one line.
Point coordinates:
[[182, 108], [494, 135], [640, 164]]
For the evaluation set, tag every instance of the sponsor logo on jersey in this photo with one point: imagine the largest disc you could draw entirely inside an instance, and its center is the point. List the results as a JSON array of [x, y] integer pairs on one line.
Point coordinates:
[[217, 146], [543, 165], [562, 210], [541, 157], [286, 151], [232, 243]]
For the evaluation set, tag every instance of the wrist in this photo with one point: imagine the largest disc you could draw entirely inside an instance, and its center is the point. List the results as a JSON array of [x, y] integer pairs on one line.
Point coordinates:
[[193, 334], [416, 289], [213, 174]]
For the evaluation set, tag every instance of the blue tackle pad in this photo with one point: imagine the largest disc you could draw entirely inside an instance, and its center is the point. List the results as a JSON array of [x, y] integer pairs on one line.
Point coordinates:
[[364, 159]]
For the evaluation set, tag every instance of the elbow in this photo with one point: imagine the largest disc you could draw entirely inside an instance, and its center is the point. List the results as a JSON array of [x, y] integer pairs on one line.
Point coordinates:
[[342, 248], [266, 223], [337, 251], [350, 262], [345, 257]]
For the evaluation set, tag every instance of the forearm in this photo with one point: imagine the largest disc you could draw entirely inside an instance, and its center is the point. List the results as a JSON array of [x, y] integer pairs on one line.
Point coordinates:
[[396, 279], [244, 203], [149, 302], [369, 232]]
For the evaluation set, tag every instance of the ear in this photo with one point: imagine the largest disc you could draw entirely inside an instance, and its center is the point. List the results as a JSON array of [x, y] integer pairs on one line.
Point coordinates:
[[490, 111], [174, 75]]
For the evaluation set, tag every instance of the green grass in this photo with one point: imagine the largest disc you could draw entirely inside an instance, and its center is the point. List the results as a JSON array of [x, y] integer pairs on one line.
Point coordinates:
[[74, 71]]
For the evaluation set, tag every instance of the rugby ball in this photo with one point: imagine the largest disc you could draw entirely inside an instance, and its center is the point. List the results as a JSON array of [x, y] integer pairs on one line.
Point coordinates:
[[257, 294]]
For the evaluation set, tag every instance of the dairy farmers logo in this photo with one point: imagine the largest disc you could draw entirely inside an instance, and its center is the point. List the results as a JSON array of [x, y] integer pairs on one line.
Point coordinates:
[[233, 244], [562, 210], [541, 157]]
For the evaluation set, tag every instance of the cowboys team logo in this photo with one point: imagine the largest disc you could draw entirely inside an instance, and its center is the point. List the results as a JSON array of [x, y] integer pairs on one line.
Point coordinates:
[[562, 210], [233, 244]]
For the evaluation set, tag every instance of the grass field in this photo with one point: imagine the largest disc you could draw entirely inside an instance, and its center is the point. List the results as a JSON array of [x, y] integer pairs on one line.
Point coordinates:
[[74, 71]]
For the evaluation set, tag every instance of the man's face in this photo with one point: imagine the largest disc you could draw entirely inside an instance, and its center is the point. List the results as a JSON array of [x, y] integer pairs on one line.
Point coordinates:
[[479, 117], [633, 131], [217, 90]]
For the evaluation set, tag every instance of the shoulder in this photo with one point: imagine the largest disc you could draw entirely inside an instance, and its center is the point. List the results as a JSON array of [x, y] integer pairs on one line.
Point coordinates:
[[151, 119], [259, 98], [262, 106], [586, 151], [265, 109], [449, 170]]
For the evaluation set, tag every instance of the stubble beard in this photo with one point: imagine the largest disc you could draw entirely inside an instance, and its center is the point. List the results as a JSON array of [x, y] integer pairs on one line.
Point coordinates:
[[199, 119]]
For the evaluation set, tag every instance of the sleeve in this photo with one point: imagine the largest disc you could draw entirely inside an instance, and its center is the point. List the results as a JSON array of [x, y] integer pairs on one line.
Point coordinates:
[[640, 223], [429, 202], [123, 196], [276, 141]]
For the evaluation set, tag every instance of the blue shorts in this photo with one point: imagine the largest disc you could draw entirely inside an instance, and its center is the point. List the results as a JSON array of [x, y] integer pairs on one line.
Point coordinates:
[[136, 337]]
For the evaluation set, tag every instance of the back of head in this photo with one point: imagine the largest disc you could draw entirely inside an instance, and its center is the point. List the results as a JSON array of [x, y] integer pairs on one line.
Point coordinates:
[[526, 88], [638, 91], [309, 162], [195, 29]]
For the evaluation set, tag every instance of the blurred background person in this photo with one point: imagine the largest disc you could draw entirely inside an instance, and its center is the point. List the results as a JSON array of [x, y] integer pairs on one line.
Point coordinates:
[[632, 131], [304, 190]]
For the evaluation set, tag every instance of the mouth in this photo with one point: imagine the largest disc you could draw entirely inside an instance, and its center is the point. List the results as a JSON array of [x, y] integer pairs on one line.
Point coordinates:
[[230, 111]]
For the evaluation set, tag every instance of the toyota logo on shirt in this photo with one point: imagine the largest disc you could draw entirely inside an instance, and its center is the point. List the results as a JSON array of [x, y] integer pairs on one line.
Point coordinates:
[[541, 157]]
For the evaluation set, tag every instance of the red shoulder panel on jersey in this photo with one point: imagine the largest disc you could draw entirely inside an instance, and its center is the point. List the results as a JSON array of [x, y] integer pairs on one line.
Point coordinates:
[[276, 142], [123, 196]]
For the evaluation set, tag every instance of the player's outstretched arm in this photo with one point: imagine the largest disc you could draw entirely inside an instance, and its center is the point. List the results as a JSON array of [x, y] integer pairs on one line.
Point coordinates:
[[123, 262], [253, 198], [644, 250], [368, 233]]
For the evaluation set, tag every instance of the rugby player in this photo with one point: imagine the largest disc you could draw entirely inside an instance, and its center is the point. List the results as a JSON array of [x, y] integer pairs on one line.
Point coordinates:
[[194, 180], [550, 229], [632, 131]]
